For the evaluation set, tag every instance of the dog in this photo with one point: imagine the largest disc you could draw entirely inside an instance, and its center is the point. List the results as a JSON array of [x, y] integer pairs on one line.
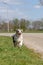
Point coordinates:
[[18, 38]]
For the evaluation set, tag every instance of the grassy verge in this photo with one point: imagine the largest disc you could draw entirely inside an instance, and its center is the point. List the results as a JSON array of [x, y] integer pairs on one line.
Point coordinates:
[[34, 31], [27, 31], [10, 55]]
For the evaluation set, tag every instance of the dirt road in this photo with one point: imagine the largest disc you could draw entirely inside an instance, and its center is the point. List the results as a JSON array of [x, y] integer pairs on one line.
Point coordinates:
[[31, 40], [34, 41]]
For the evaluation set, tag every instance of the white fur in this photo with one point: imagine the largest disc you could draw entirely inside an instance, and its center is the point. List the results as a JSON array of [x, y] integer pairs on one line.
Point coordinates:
[[18, 38]]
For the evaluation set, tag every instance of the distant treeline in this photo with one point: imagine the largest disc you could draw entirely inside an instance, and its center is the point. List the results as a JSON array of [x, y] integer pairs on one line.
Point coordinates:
[[22, 24]]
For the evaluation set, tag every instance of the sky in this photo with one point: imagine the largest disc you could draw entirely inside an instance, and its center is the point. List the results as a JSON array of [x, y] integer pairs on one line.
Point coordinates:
[[27, 9]]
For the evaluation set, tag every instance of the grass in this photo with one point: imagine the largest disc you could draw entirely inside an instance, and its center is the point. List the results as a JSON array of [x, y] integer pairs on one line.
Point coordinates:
[[34, 31], [10, 55], [27, 31]]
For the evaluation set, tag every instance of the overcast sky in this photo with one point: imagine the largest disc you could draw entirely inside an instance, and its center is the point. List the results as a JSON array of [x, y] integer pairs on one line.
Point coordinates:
[[28, 9]]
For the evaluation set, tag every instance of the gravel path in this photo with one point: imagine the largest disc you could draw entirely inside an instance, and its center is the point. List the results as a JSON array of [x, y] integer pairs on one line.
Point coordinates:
[[31, 40]]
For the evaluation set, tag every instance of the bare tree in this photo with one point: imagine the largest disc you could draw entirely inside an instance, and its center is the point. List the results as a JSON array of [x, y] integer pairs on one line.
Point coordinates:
[[37, 24]]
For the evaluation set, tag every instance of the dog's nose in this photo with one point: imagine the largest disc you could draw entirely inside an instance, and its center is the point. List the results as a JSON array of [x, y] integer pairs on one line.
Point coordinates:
[[19, 33]]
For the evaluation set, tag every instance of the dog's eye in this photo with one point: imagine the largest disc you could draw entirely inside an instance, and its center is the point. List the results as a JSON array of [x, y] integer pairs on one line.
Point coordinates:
[[17, 31]]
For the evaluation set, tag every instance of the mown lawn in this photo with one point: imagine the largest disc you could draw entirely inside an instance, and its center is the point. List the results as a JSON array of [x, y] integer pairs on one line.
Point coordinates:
[[10, 55]]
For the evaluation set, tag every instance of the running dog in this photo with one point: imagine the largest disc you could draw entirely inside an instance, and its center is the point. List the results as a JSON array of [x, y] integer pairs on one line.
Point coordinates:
[[18, 38]]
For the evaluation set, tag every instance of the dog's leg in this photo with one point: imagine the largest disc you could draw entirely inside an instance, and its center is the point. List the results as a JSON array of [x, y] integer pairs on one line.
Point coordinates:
[[14, 44], [19, 44]]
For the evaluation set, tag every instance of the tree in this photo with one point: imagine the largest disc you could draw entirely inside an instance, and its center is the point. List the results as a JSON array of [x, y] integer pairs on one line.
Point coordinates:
[[11, 26], [37, 24], [24, 24], [3, 26], [16, 24]]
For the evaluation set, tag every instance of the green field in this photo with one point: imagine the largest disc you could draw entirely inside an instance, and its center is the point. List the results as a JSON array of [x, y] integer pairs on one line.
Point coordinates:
[[10, 55]]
